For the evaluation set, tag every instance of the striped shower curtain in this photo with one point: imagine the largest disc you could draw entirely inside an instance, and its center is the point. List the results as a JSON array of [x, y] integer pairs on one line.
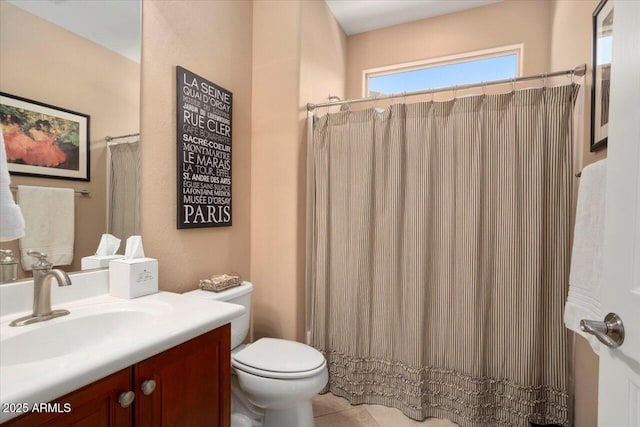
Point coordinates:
[[440, 256], [124, 189]]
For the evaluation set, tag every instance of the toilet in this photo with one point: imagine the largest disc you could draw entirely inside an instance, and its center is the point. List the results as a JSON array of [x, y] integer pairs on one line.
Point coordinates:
[[274, 379]]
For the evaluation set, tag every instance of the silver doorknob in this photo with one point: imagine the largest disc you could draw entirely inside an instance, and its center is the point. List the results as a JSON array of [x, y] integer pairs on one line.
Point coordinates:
[[126, 398], [148, 386], [610, 332]]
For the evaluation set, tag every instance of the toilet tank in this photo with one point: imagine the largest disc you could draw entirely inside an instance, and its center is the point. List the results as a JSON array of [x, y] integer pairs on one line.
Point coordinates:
[[240, 295]]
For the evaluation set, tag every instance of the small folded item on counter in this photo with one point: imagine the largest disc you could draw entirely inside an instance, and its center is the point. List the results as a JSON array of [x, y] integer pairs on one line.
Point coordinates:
[[220, 282]]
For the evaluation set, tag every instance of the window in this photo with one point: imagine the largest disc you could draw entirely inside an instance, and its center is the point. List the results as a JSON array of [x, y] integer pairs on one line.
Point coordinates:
[[494, 64]]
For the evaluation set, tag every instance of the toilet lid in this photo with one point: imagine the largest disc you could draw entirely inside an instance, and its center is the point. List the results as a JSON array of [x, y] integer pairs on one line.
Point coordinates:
[[279, 356]]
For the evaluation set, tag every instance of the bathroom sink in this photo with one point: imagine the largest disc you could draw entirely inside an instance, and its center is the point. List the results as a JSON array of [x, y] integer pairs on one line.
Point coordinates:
[[101, 335], [90, 325], [68, 335]]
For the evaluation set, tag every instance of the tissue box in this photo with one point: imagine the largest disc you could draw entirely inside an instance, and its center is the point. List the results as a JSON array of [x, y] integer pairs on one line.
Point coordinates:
[[133, 278], [97, 261]]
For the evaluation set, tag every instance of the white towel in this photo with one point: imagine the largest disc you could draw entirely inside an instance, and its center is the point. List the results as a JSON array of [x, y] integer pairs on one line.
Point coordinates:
[[49, 218], [11, 221], [584, 300]]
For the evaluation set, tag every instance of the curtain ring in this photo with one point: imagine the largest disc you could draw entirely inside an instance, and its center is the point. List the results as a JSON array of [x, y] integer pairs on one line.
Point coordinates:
[[455, 93], [375, 100], [513, 85], [544, 80], [404, 97], [484, 88]]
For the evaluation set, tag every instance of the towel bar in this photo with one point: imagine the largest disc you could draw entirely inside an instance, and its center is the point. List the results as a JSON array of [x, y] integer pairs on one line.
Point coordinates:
[[81, 192]]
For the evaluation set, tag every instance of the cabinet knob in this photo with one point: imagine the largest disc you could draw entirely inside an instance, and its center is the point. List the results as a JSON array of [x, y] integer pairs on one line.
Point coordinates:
[[148, 386], [126, 398]]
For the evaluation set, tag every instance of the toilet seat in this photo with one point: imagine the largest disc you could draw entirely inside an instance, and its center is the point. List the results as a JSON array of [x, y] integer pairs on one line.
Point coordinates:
[[279, 375], [279, 359]]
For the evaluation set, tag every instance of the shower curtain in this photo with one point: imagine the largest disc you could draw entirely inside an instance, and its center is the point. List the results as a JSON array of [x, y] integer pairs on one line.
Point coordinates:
[[124, 189], [440, 256]]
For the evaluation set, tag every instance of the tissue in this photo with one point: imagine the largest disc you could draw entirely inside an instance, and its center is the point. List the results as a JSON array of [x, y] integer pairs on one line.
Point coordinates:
[[105, 253], [134, 275], [108, 245], [134, 248]]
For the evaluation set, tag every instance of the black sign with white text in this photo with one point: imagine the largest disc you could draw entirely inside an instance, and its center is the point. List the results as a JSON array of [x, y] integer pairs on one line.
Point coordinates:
[[204, 152]]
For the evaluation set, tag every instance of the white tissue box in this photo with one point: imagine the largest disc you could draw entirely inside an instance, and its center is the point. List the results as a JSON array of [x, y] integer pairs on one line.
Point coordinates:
[[97, 261], [133, 278]]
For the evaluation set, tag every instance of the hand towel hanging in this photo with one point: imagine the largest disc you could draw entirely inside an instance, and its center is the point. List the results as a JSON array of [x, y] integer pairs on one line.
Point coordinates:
[[584, 300], [50, 222]]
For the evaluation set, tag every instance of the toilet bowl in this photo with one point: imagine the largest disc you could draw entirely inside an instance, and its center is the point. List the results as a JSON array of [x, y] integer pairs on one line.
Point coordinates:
[[281, 377], [273, 379]]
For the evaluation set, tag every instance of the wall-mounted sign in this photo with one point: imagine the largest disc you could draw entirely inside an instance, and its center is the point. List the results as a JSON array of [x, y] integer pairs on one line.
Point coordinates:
[[204, 152]]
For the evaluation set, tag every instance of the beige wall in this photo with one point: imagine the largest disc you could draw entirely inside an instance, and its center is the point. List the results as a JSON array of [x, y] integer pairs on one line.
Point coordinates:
[[571, 45], [43, 62], [267, 54], [494, 25], [274, 173], [298, 56], [212, 39]]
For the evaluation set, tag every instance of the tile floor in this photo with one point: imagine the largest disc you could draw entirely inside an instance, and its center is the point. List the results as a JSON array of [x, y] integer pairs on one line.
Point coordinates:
[[333, 411]]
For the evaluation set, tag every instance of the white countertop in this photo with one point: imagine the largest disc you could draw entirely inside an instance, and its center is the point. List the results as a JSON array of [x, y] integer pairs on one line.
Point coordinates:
[[142, 327]]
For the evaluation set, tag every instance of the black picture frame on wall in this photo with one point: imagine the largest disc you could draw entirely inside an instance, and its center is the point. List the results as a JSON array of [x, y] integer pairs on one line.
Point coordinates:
[[43, 140], [601, 73], [204, 135]]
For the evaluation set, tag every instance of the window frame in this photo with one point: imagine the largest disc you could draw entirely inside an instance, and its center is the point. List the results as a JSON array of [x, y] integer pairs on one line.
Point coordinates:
[[516, 49]]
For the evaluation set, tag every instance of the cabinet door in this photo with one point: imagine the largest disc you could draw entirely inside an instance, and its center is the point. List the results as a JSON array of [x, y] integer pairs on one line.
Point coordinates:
[[192, 384], [95, 405]]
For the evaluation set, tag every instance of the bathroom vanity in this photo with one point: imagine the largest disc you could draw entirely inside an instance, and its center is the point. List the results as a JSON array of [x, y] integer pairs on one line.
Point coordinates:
[[190, 387], [162, 359]]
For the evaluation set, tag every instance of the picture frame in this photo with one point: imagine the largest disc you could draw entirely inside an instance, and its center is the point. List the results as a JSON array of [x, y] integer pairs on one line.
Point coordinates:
[[601, 73], [43, 140]]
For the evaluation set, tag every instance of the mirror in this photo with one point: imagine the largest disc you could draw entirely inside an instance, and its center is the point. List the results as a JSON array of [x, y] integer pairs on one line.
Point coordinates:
[[83, 57]]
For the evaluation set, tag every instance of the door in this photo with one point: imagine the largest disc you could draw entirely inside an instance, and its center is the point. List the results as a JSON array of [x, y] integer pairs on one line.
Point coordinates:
[[619, 382]]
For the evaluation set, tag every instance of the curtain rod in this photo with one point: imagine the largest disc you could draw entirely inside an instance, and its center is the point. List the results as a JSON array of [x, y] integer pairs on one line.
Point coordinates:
[[111, 138], [580, 70], [81, 192]]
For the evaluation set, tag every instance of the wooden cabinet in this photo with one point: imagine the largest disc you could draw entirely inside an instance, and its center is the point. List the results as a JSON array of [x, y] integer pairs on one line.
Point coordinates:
[[95, 405], [192, 384], [191, 387]]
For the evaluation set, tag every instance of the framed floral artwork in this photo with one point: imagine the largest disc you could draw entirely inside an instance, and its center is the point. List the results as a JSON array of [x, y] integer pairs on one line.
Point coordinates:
[[44, 140]]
